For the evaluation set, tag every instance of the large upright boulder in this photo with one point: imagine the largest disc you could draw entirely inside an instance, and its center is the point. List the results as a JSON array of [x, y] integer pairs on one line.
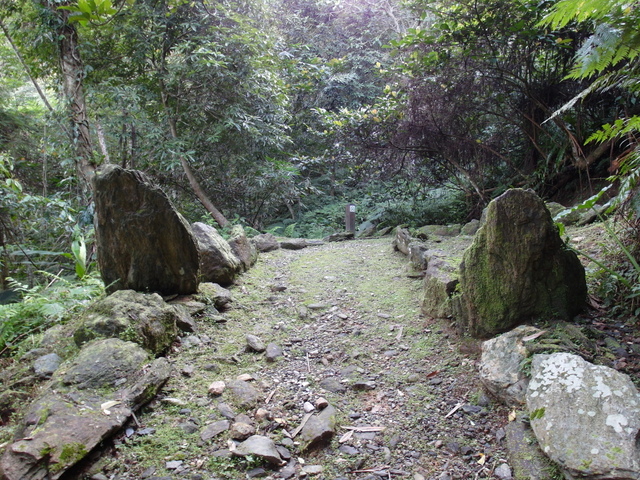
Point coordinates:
[[143, 243], [518, 268], [586, 417], [218, 264]]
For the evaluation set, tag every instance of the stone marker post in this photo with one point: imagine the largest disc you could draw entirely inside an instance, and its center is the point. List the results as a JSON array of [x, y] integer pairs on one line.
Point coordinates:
[[350, 218]]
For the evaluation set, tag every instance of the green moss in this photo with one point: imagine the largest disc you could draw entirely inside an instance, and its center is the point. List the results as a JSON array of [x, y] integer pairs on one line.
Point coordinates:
[[72, 452]]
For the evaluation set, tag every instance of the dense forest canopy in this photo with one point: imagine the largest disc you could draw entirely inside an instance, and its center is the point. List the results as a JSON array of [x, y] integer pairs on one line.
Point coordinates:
[[275, 113]]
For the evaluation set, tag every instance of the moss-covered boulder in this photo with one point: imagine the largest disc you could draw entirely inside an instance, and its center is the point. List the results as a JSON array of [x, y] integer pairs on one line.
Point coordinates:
[[102, 364], [141, 318], [61, 427], [518, 269], [440, 284]]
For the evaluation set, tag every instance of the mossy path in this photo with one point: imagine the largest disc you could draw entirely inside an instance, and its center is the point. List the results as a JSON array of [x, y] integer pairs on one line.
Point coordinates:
[[347, 317]]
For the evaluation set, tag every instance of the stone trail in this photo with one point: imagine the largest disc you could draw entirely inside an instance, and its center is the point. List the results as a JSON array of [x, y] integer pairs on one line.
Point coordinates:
[[341, 326]]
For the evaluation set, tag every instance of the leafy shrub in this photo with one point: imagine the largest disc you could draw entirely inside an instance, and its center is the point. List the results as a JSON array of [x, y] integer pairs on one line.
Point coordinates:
[[45, 305]]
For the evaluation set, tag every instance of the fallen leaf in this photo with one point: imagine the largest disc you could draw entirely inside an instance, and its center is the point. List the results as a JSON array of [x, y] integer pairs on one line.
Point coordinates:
[[482, 459], [433, 374], [346, 437], [512, 415], [109, 404], [533, 336]]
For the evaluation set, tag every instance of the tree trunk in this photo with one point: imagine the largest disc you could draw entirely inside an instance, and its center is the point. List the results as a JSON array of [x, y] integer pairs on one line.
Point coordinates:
[[72, 69]]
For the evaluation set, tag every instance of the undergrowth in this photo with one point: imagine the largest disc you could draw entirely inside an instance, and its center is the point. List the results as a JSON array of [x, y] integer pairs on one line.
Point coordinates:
[[45, 305]]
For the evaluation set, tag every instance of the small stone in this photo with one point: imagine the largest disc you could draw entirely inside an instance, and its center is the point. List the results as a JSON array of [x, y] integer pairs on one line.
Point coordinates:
[[174, 401], [333, 385], [260, 446], [188, 370], [471, 409], [214, 429], [284, 452], [262, 414], [172, 465], [46, 365], [308, 407], [146, 431], [245, 377], [321, 403], [99, 476], [188, 427], [217, 388], [241, 431], [366, 385], [318, 306], [273, 352], [438, 443], [255, 343], [503, 472], [312, 470], [226, 411], [212, 367], [257, 473], [348, 450]]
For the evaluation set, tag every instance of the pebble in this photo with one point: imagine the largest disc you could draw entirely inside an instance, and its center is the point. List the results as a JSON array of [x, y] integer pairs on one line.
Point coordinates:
[[226, 411], [321, 403], [503, 472], [255, 343], [217, 388], [348, 450], [262, 414], [172, 465], [308, 407]]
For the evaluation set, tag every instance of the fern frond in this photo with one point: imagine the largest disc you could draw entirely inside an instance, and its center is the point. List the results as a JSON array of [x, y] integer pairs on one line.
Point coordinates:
[[619, 128], [566, 11]]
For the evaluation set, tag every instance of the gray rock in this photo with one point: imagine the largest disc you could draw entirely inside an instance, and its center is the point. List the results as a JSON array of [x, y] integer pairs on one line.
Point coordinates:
[[214, 429], [245, 394], [471, 227], [402, 240], [139, 317], [241, 430], [218, 264], [503, 472], [517, 268], [293, 244], [319, 430], [60, 429], [46, 365], [266, 242], [101, 363], [184, 320], [332, 384], [259, 446], [226, 411], [439, 285], [586, 417], [501, 365], [273, 352], [339, 237], [418, 255], [255, 343], [364, 385], [366, 229], [525, 457], [242, 247], [348, 450], [215, 294], [143, 243]]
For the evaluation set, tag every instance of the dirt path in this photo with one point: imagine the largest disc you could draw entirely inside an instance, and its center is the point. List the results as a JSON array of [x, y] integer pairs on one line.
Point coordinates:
[[347, 318]]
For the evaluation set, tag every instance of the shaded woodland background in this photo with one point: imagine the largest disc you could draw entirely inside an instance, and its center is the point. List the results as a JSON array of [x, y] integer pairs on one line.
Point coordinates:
[[274, 114]]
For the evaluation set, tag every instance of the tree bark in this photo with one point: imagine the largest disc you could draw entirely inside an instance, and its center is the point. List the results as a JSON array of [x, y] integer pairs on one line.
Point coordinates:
[[72, 69]]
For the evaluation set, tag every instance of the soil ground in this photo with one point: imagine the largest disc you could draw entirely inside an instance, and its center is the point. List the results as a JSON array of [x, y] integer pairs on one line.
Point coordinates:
[[347, 318], [345, 311]]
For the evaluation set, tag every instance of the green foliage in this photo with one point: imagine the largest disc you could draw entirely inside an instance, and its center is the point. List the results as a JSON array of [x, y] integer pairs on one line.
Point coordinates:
[[45, 305]]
